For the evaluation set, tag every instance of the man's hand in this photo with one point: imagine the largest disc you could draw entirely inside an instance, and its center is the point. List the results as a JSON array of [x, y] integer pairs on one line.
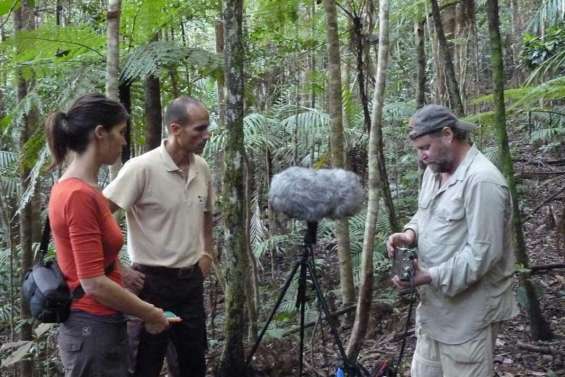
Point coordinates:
[[421, 277], [396, 240], [133, 280], [204, 263]]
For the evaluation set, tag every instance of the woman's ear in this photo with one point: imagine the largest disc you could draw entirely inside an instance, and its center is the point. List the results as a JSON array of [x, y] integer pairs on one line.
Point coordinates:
[[99, 132]]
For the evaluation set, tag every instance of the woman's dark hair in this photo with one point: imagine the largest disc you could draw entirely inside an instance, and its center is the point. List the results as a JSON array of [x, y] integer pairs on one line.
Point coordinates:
[[71, 130]]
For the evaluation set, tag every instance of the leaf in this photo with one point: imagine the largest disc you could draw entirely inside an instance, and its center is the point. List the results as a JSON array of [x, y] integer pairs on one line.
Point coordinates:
[[18, 355], [10, 345], [42, 329], [8, 5]]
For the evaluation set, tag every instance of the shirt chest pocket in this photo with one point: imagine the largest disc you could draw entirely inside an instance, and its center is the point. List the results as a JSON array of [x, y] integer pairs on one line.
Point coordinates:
[[197, 197], [448, 222]]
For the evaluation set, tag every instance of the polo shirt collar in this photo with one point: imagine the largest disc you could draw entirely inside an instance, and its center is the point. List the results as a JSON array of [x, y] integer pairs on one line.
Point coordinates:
[[170, 165]]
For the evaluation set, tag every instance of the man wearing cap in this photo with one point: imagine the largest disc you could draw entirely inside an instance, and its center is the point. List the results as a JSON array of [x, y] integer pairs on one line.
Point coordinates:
[[168, 197], [462, 230]]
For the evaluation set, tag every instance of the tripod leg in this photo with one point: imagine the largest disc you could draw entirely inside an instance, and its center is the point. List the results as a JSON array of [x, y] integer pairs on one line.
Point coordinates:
[[326, 310], [301, 301], [275, 308]]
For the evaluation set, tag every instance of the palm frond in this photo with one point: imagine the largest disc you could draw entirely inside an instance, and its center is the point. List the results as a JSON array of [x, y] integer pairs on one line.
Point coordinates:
[[7, 158], [33, 179], [550, 13]]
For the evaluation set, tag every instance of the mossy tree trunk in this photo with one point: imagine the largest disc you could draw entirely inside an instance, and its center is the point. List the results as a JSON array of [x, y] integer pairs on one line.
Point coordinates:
[[236, 259], [538, 326], [24, 21]]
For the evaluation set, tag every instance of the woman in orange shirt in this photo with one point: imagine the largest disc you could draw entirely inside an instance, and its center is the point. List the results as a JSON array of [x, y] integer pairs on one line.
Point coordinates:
[[93, 341]]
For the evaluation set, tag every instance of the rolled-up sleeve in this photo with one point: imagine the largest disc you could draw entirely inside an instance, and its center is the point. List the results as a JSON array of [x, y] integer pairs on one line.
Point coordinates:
[[487, 205], [413, 224]]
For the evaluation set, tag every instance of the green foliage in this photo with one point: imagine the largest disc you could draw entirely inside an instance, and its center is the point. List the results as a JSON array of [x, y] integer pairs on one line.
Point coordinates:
[[50, 44], [142, 19], [538, 49], [8, 5], [148, 59]]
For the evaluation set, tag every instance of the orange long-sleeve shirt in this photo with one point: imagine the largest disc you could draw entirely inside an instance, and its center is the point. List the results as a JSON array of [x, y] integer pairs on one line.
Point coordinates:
[[87, 238]]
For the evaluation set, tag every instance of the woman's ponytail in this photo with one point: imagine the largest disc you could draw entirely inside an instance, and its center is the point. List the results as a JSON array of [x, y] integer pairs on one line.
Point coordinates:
[[57, 136]]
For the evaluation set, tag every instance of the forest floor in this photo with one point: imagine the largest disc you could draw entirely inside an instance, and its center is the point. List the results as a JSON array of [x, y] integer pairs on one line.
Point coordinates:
[[516, 354]]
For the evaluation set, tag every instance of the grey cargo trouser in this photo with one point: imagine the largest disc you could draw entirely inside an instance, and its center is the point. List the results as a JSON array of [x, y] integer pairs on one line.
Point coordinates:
[[93, 346]]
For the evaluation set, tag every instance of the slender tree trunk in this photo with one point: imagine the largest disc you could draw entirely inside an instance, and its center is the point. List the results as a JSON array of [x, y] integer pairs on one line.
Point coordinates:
[[452, 86], [236, 259], [125, 99], [366, 290], [113, 62], [220, 83], [58, 13], [421, 64], [538, 326], [153, 117], [337, 148], [23, 21], [252, 293], [383, 182]]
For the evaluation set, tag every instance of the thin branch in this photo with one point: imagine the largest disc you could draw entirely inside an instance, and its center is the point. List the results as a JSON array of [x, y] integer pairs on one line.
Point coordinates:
[[352, 16], [544, 203], [68, 42]]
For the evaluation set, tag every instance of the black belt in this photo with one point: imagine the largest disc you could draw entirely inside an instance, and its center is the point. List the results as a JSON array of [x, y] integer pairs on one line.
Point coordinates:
[[168, 271]]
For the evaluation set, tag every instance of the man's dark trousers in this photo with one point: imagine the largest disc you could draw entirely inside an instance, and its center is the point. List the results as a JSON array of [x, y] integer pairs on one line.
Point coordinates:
[[181, 292]]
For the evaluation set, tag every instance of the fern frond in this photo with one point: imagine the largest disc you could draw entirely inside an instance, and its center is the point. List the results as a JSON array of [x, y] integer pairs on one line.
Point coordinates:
[[150, 58]]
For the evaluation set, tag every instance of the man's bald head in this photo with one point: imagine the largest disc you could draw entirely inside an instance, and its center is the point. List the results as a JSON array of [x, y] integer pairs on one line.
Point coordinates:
[[178, 110]]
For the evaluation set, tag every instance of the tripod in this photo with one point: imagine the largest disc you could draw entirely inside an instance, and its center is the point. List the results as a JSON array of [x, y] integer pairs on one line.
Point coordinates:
[[306, 266]]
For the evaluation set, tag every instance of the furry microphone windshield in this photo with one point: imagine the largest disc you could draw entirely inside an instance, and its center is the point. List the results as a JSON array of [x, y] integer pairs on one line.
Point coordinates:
[[311, 195]]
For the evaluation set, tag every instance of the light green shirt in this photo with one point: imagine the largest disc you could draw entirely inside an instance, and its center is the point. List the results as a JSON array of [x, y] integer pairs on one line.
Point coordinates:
[[464, 236]]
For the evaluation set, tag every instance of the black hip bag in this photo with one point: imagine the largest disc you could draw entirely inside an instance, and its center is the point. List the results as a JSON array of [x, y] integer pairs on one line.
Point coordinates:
[[44, 289]]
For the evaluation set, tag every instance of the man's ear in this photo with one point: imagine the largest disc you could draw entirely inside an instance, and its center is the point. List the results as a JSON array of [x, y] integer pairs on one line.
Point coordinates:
[[448, 134], [174, 127]]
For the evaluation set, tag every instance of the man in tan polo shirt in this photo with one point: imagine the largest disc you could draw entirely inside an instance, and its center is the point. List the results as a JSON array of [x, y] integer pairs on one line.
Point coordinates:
[[168, 198], [462, 229]]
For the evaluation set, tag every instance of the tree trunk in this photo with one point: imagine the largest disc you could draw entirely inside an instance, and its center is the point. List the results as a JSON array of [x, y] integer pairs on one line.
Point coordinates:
[[335, 107], [236, 260], [421, 63], [24, 21], [366, 290], [220, 82], [125, 99], [452, 86], [538, 326], [383, 182], [113, 62], [153, 117]]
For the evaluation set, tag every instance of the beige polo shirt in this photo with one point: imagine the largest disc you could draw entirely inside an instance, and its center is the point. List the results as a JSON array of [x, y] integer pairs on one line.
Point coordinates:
[[164, 212], [464, 235]]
